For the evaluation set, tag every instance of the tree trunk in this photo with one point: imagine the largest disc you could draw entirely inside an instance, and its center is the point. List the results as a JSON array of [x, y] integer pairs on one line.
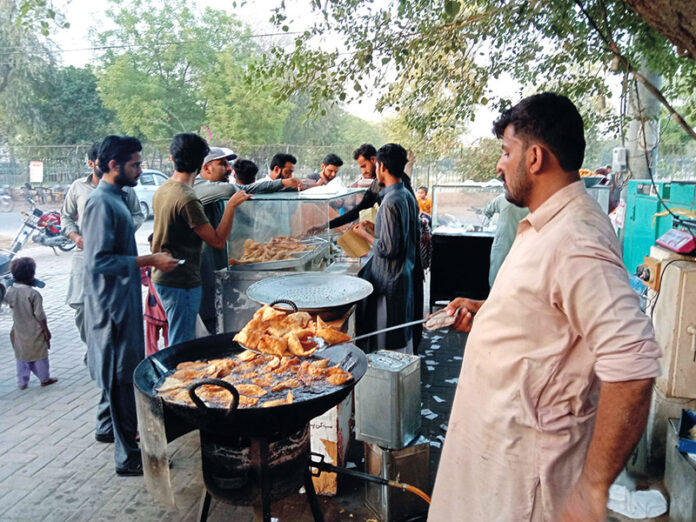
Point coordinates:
[[644, 129], [674, 19]]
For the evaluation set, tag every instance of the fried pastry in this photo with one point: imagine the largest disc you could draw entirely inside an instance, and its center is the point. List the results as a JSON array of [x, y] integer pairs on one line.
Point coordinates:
[[330, 335], [339, 378], [288, 383], [295, 346], [251, 390], [278, 402]]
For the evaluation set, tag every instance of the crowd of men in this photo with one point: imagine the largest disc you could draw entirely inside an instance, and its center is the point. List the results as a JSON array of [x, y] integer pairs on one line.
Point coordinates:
[[193, 215], [559, 361]]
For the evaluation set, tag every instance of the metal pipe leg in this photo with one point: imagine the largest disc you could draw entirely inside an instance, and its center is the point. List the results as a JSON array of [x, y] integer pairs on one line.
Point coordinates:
[[204, 506], [259, 459], [312, 497]]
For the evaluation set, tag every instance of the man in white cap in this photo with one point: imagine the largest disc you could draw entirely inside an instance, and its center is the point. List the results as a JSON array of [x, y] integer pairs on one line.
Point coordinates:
[[213, 187], [180, 228]]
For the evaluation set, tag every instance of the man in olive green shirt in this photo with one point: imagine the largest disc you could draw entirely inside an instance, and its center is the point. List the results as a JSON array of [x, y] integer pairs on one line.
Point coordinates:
[[180, 228]]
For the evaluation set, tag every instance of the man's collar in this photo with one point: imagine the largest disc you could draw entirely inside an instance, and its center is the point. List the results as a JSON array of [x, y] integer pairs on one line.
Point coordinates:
[[391, 188], [111, 187], [555, 204]]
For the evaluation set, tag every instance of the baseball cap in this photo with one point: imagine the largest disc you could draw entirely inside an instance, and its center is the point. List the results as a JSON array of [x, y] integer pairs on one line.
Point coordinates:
[[219, 153]]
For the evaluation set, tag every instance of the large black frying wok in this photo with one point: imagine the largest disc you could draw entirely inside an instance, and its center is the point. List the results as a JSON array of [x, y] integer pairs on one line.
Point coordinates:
[[250, 422]]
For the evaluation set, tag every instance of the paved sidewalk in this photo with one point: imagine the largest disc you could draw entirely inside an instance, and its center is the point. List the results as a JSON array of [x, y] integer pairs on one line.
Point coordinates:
[[52, 469]]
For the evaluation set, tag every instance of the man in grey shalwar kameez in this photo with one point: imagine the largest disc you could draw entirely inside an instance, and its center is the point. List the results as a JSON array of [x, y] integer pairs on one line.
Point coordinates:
[[71, 218], [113, 303], [394, 264]]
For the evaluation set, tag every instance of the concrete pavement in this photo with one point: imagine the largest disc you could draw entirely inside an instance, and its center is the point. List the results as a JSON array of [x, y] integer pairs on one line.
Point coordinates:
[[52, 469]]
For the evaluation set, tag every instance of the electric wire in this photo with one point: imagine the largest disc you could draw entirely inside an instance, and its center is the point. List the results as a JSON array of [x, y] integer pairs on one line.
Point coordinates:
[[647, 160], [662, 277]]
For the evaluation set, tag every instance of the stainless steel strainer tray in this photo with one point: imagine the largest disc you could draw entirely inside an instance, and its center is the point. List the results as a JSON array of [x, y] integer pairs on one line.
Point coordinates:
[[297, 260], [311, 290]]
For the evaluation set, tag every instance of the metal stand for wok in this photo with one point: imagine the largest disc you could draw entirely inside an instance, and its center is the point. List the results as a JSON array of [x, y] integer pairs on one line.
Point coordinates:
[[262, 512], [259, 450]]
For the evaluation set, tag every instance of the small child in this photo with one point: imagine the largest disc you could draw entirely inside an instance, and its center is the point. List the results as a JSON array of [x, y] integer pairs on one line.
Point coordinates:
[[153, 312], [30, 336]]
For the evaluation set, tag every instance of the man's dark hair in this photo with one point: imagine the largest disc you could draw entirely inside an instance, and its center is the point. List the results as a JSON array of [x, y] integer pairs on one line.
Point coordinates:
[[365, 150], [245, 170], [394, 158], [332, 159], [551, 119], [119, 149], [188, 150], [280, 159], [425, 189], [23, 270], [93, 152]]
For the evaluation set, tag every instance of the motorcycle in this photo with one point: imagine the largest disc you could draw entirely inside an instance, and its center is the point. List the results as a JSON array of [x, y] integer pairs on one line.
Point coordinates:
[[46, 226]]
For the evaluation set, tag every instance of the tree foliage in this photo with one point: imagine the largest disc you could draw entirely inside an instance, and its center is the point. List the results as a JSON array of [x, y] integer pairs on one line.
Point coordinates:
[[159, 58], [432, 145], [335, 126], [41, 102], [444, 54]]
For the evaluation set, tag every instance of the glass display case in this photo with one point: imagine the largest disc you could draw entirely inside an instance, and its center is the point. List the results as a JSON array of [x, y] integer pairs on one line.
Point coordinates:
[[460, 208], [463, 230], [303, 218], [288, 214]]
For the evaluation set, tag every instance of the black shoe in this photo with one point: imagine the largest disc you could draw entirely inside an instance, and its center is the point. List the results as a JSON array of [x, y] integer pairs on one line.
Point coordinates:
[[134, 471], [104, 437]]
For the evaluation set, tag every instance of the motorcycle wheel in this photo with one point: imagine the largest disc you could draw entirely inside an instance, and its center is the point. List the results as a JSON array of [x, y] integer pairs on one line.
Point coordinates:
[[67, 246], [6, 204]]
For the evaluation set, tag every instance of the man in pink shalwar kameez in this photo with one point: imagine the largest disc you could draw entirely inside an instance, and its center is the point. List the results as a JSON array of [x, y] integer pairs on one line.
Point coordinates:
[[559, 347]]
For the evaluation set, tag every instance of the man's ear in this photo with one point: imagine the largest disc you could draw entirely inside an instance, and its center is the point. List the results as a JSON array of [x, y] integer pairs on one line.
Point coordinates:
[[114, 167], [536, 156]]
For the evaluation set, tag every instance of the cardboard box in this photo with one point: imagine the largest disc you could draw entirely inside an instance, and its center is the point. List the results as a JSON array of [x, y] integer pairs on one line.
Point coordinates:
[[330, 436]]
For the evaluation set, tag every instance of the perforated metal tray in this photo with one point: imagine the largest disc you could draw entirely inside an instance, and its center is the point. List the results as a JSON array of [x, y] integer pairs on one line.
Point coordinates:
[[311, 291], [297, 260]]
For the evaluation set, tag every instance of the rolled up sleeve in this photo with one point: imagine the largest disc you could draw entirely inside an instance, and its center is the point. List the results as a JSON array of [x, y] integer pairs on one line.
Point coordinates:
[[592, 288]]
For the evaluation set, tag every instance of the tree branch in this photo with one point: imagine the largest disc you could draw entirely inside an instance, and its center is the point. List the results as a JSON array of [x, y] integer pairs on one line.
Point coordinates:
[[613, 48]]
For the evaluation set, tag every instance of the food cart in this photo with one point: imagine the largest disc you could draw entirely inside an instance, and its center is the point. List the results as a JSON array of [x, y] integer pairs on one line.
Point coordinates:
[[268, 216]]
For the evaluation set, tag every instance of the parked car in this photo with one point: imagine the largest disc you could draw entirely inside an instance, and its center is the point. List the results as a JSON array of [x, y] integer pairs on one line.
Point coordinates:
[[148, 183]]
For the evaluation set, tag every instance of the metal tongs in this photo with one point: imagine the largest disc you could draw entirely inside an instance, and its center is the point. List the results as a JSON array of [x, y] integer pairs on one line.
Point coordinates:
[[435, 321]]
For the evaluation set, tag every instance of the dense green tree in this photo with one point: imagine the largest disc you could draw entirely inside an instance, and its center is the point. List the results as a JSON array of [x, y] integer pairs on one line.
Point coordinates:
[[71, 108], [237, 112], [443, 55], [159, 54], [26, 59], [41, 102], [334, 126]]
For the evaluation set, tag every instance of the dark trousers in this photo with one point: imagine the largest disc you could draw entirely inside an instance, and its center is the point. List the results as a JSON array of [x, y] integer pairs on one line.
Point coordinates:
[[116, 411]]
